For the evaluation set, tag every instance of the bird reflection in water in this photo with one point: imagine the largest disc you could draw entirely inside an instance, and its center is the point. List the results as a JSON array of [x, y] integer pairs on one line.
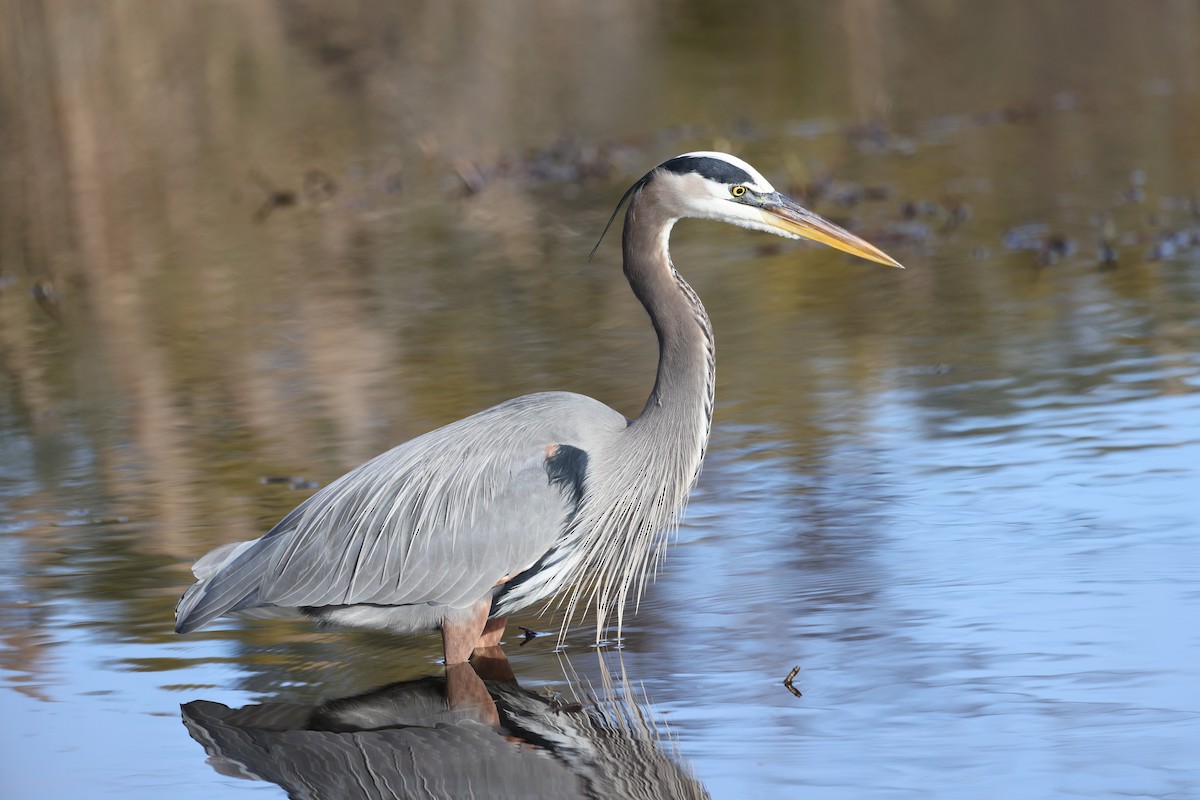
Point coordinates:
[[472, 733]]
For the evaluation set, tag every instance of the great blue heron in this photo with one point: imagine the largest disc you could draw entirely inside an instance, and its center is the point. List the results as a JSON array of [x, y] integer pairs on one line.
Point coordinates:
[[547, 496]]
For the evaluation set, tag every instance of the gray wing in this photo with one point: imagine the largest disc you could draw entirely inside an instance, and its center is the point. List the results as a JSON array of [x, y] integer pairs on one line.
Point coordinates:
[[440, 519]]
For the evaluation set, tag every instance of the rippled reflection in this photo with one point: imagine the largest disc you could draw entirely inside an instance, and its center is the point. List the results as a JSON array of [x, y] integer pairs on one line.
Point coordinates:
[[473, 732]]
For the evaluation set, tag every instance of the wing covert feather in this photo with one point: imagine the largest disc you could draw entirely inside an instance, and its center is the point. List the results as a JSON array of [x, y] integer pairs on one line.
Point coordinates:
[[438, 519]]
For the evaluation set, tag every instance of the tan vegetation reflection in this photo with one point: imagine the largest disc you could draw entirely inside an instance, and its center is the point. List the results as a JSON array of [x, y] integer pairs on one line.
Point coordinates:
[[246, 240]]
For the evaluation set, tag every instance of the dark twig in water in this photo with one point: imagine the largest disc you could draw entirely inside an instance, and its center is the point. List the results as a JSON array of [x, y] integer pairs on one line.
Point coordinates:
[[530, 633], [276, 198], [473, 179], [47, 298], [787, 682]]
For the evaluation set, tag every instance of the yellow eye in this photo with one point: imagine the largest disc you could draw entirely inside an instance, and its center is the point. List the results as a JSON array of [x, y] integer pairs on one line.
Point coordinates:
[[737, 191]]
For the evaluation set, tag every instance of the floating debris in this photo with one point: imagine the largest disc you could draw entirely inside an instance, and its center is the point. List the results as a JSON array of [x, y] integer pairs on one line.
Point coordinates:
[[787, 682], [957, 213], [276, 198], [1107, 255], [1026, 237], [930, 369], [48, 298], [1049, 246], [80, 521], [1055, 247], [1065, 101], [905, 231], [811, 128], [1134, 195], [472, 178], [1169, 244], [871, 136], [293, 482], [1158, 87], [318, 187]]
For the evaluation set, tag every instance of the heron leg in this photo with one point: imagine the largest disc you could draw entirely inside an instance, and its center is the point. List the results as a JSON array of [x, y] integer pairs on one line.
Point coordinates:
[[493, 632], [460, 635]]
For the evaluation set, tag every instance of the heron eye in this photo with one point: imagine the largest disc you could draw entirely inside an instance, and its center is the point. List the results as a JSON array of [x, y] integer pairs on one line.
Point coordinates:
[[737, 191]]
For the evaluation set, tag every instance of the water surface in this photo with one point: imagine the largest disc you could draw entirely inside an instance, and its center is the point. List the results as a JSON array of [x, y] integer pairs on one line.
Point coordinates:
[[241, 241]]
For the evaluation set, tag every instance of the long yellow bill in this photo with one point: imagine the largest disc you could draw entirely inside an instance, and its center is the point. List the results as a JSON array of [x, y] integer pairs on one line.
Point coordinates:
[[789, 216]]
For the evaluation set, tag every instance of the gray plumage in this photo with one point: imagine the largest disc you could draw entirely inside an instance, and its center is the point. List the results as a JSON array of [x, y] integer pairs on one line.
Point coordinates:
[[421, 531], [407, 741], [551, 496]]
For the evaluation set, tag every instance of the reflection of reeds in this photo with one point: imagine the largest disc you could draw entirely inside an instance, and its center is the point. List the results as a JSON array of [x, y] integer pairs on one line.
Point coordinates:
[[124, 177]]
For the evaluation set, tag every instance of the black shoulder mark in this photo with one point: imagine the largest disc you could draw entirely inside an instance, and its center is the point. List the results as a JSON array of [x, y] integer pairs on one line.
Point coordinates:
[[567, 468]]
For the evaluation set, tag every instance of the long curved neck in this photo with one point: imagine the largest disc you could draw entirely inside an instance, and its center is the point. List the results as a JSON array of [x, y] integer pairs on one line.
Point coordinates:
[[680, 406], [639, 481]]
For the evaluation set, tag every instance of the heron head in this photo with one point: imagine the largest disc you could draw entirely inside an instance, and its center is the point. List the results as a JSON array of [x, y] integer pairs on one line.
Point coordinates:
[[719, 186], [710, 185]]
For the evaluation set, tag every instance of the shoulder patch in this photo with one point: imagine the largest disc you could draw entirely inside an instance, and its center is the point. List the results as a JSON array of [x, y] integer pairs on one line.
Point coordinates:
[[566, 466]]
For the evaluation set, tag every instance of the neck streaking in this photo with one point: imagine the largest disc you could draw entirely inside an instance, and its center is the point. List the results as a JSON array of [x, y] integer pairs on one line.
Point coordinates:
[[678, 412], [642, 483]]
